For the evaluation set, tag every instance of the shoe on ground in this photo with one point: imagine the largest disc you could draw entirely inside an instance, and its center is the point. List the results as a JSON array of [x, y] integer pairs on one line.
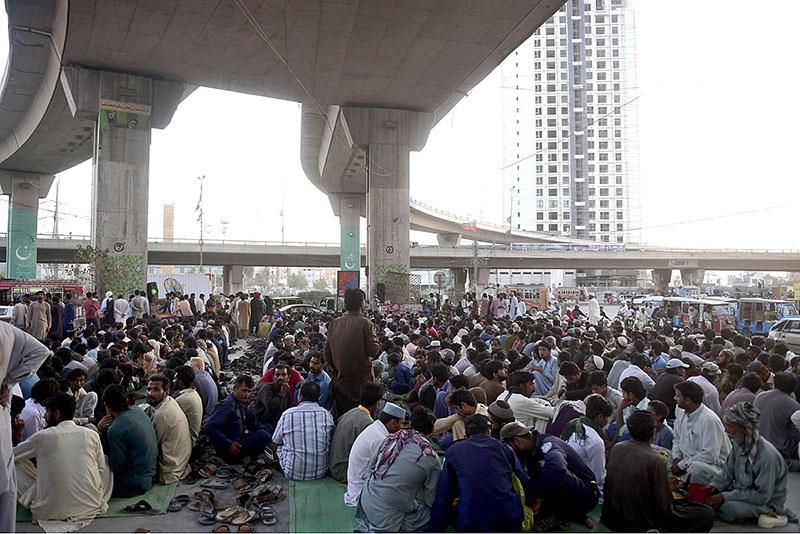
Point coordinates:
[[772, 520]]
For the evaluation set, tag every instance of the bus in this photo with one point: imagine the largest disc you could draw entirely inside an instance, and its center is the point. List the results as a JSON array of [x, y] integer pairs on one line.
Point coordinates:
[[534, 297], [578, 294], [11, 289]]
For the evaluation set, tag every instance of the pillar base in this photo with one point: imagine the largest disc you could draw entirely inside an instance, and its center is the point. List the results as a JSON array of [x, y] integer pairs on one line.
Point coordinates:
[[25, 190], [232, 279]]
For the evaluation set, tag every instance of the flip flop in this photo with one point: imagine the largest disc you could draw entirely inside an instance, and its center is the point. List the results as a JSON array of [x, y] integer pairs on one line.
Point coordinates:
[[226, 515], [208, 470], [214, 484], [245, 516], [267, 515], [141, 507], [207, 519], [178, 502], [264, 475], [191, 478], [206, 494]]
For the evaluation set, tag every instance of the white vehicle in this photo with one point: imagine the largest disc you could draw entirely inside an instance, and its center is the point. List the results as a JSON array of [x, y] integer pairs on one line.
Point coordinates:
[[787, 331]]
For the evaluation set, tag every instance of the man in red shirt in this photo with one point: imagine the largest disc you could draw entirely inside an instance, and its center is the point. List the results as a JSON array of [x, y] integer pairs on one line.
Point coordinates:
[[294, 376], [90, 307]]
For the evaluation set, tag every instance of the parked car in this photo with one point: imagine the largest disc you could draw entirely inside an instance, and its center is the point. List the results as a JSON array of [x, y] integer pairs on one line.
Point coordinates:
[[787, 331]]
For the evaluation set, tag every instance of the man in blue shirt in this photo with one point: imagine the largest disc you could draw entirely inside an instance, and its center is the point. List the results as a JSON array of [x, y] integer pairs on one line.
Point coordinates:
[[317, 374], [478, 472], [233, 429], [130, 441]]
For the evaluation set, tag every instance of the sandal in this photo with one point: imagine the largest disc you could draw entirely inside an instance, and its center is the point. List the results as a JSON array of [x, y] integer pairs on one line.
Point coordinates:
[[208, 470], [272, 494], [245, 516], [141, 507], [264, 475], [241, 485], [207, 519], [246, 528], [204, 506], [214, 484], [191, 478], [267, 515], [226, 515], [222, 528], [178, 502], [228, 471]]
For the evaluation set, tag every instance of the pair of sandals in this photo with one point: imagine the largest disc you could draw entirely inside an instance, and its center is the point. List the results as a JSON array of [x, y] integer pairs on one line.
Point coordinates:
[[205, 502], [226, 528], [236, 515], [140, 508]]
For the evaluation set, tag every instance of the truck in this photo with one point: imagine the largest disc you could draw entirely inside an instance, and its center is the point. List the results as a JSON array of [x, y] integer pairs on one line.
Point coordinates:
[[184, 283]]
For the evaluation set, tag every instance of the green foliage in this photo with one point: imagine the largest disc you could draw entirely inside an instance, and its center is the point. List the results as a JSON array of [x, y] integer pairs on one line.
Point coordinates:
[[320, 284], [95, 269], [297, 280]]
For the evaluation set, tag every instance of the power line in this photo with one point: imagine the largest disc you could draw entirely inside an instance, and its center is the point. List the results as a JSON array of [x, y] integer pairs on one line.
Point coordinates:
[[711, 218]]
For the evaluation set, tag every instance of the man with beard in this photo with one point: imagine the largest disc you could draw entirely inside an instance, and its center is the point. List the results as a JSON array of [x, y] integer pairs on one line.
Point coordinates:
[[274, 397], [39, 317], [172, 430], [71, 480], [753, 481]]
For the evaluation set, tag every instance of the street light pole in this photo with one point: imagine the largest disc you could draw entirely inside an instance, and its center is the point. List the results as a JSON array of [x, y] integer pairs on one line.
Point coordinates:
[[200, 218]]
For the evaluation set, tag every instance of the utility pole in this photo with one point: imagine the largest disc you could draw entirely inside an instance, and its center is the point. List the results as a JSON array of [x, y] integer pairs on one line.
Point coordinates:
[[200, 218], [475, 264], [283, 206], [56, 267]]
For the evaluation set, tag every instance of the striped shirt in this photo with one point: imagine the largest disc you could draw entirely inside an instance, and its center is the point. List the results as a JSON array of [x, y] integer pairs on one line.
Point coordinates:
[[304, 433]]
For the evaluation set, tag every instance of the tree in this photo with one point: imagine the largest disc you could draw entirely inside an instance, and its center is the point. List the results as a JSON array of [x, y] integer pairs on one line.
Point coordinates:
[[320, 284], [297, 281]]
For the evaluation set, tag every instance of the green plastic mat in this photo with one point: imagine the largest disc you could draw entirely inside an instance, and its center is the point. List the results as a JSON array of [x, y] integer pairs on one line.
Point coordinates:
[[318, 506], [159, 497]]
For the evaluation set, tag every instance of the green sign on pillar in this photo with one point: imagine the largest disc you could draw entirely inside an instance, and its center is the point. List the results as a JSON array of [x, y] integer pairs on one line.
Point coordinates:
[[350, 249], [21, 244]]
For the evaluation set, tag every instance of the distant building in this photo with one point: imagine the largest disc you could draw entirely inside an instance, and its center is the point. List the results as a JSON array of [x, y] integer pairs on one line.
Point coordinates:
[[570, 129]]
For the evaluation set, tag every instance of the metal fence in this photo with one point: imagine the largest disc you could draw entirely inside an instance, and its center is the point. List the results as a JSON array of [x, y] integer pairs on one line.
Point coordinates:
[[403, 288]]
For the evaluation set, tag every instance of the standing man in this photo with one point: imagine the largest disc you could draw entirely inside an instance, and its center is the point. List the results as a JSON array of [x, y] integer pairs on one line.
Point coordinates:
[[256, 312], [20, 313], [90, 308], [594, 309], [120, 310], [349, 348], [20, 357], [39, 317], [138, 304], [200, 304], [243, 310], [69, 313]]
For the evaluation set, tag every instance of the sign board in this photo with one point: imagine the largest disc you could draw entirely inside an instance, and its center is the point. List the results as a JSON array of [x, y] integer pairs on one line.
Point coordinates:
[[440, 278], [348, 280], [471, 226], [400, 308], [682, 264]]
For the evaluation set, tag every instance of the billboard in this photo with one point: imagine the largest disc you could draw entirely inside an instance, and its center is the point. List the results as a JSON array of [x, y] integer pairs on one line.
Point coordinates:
[[348, 280]]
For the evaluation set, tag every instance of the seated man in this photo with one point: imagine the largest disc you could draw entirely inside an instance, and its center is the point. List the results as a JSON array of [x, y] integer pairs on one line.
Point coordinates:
[[479, 494], [587, 437], [189, 400], [33, 412], [495, 373], [559, 477], [304, 436], [172, 430], [274, 397], [208, 388], [464, 403], [84, 402], [294, 376], [400, 382], [634, 397], [318, 375], [234, 430], [389, 421], [350, 425], [402, 466], [527, 410], [131, 444], [663, 431], [71, 480], [575, 387], [753, 481], [699, 444], [636, 494], [776, 407]]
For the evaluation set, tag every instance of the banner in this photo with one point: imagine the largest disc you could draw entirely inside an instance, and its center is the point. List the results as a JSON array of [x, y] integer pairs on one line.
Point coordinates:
[[472, 226], [348, 280]]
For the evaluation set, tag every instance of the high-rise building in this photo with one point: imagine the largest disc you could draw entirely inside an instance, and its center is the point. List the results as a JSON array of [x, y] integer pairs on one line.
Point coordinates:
[[570, 141]]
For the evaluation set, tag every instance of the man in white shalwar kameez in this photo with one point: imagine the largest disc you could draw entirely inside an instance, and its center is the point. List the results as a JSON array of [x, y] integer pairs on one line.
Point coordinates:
[[121, 310], [20, 356], [389, 421], [71, 482]]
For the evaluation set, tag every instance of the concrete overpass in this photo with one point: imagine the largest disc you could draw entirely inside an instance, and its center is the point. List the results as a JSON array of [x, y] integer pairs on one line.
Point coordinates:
[[273, 254], [91, 78]]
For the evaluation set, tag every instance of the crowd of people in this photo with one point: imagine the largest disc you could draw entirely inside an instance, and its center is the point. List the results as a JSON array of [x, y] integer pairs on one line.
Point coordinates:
[[476, 417]]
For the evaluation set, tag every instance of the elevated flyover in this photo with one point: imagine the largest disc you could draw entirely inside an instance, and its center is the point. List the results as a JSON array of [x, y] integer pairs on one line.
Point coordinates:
[[260, 254], [90, 78]]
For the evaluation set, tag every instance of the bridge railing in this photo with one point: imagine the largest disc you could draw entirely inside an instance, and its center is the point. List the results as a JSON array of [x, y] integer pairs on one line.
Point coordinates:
[[533, 247]]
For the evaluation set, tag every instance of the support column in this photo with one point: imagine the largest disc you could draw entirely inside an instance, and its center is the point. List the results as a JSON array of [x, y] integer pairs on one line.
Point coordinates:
[[25, 190], [232, 279], [661, 279], [459, 278], [125, 108], [692, 277], [349, 209], [448, 240], [388, 135]]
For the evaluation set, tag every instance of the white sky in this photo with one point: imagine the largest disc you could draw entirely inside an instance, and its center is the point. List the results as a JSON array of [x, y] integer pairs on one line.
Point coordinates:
[[716, 127]]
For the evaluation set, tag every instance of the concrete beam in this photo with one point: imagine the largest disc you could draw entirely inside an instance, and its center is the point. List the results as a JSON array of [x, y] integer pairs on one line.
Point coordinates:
[[451, 240]]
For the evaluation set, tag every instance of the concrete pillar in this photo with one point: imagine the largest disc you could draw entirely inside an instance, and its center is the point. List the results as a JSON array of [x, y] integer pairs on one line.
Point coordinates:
[[692, 277], [661, 279], [25, 190], [387, 136], [349, 209], [459, 280], [125, 107], [448, 240], [232, 279]]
